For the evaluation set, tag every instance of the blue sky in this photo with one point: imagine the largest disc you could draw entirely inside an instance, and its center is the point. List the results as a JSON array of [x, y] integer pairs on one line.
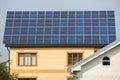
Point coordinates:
[[54, 5]]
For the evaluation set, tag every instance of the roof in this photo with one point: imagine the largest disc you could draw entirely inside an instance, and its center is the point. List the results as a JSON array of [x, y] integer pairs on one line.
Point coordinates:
[[77, 66], [41, 28]]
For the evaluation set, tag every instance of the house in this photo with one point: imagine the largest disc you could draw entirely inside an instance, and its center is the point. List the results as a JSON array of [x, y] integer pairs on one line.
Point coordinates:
[[102, 65], [43, 44]]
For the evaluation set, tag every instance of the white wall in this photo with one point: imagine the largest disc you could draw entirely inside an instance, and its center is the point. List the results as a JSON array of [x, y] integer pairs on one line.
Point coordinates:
[[94, 70], [55, 5]]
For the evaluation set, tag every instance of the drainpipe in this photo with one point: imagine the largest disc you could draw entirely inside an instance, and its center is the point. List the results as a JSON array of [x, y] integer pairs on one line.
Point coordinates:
[[9, 58], [75, 76]]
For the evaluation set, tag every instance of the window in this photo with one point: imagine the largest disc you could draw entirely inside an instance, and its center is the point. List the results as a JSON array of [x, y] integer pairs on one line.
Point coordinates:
[[27, 59], [106, 61], [69, 78], [27, 79], [74, 58]]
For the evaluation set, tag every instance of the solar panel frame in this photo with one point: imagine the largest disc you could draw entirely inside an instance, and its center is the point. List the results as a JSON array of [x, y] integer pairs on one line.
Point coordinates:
[[42, 27]]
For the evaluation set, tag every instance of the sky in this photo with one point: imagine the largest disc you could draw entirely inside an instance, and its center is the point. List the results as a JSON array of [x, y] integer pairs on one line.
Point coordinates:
[[54, 5]]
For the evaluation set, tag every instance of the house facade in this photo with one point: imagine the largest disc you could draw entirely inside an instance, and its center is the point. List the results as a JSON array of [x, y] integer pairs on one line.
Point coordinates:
[[103, 65], [43, 44], [46, 63]]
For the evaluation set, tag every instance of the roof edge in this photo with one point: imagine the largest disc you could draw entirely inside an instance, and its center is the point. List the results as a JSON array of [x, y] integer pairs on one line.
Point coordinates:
[[51, 45], [95, 55]]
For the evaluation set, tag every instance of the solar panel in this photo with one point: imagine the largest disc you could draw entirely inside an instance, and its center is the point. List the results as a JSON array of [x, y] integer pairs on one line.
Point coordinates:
[[60, 27]]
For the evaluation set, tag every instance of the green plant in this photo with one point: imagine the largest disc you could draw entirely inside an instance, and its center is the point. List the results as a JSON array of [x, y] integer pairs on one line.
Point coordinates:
[[5, 74]]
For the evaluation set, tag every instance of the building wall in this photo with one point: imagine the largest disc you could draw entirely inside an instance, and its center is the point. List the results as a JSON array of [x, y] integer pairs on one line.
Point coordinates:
[[94, 70], [51, 62]]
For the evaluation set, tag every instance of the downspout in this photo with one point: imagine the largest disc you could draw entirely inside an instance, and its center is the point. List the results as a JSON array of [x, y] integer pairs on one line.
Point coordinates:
[[9, 58], [75, 77]]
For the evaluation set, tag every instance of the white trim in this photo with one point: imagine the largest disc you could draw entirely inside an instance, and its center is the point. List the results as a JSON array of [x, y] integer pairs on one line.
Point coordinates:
[[77, 67]]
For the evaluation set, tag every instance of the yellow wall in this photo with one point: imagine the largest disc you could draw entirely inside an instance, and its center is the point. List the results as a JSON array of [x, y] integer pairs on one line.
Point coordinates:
[[50, 62]]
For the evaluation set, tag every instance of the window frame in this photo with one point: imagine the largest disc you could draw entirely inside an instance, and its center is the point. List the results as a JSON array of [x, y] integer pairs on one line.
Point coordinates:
[[72, 57], [27, 78], [24, 59], [106, 61]]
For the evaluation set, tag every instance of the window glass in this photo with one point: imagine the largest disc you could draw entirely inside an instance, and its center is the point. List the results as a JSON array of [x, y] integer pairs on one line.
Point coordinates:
[[27, 59], [26, 78], [106, 61], [33, 59], [21, 58], [74, 58]]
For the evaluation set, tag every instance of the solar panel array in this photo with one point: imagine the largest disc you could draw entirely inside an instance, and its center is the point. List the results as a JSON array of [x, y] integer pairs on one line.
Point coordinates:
[[60, 27]]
